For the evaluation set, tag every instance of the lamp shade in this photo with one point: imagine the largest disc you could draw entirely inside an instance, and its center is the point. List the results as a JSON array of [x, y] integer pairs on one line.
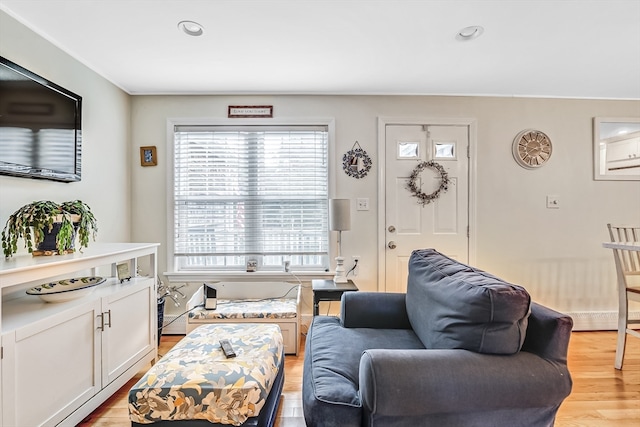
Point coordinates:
[[339, 214]]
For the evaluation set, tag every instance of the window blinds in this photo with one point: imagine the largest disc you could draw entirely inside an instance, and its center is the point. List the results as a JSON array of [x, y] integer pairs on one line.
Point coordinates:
[[258, 191]]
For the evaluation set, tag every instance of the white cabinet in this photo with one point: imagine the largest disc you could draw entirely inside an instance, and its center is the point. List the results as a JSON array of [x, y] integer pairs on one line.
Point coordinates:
[[49, 368], [128, 332], [623, 152], [62, 360]]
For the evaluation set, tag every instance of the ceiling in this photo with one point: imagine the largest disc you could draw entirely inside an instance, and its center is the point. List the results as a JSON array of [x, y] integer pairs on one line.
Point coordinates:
[[537, 48]]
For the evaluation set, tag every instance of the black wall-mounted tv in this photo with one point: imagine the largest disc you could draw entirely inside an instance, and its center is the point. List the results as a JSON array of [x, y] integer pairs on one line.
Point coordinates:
[[40, 126]]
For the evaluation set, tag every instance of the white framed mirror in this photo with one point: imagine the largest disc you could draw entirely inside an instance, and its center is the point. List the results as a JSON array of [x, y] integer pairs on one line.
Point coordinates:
[[616, 148]]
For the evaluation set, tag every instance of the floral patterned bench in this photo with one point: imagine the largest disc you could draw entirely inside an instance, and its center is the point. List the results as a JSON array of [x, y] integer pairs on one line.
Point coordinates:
[[195, 383], [252, 302]]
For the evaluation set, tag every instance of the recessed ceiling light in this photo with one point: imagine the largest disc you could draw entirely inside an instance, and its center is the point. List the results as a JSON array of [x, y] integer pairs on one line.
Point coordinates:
[[191, 28], [470, 33]]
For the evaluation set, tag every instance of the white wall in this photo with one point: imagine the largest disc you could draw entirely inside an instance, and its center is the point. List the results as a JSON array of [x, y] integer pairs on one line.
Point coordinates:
[[106, 163], [555, 253]]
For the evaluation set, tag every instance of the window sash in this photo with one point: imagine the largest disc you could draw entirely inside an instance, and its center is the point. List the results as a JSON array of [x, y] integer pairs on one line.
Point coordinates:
[[250, 192]]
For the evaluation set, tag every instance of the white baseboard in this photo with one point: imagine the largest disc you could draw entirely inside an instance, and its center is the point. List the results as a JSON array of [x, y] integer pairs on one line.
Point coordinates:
[[598, 320]]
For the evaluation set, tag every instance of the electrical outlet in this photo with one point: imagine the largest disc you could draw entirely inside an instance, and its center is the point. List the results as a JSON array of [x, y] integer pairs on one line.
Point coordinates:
[[356, 264]]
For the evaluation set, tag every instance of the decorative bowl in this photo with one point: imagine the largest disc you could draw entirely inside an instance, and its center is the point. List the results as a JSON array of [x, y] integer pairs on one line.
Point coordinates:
[[66, 289]]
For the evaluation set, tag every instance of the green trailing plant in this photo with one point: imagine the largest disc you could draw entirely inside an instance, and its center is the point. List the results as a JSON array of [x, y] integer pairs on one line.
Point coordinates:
[[32, 221], [87, 225]]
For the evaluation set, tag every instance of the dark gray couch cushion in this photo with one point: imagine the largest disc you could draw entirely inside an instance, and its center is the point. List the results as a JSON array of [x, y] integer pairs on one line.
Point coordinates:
[[452, 305], [331, 368], [335, 355]]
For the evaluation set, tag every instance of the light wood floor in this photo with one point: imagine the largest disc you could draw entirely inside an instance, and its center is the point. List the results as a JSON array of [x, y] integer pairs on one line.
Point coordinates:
[[602, 396]]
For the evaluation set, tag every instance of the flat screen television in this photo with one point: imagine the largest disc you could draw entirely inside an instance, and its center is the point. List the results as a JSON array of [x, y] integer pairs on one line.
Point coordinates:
[[40, 126]]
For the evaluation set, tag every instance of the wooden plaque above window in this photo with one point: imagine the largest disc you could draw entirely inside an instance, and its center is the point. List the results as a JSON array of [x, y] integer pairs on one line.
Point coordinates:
[[236, 111]]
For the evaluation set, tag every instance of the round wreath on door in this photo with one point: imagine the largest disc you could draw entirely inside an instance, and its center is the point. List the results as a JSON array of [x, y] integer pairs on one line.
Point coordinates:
[[412, 185]]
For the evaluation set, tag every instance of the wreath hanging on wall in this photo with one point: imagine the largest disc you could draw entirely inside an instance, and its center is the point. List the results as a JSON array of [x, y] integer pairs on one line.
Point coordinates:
[[356, 162], [412, 185]]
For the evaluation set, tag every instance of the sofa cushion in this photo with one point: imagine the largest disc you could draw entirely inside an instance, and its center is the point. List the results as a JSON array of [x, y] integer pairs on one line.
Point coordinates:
[[452, 305], [334, 354]]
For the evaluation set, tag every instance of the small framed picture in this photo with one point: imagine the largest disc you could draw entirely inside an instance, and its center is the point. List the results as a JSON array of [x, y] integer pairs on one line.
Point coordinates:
[[148, 156], [123, 272]]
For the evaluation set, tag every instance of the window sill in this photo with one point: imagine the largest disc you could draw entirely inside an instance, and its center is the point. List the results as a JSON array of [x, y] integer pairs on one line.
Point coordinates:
[[241, 276]]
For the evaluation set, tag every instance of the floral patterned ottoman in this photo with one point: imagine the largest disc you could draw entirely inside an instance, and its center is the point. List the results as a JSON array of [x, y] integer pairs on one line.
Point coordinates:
[[194, 384]]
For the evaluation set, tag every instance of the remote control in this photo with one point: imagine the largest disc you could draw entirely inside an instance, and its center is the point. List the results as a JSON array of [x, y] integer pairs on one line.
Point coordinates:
[[227, 349]]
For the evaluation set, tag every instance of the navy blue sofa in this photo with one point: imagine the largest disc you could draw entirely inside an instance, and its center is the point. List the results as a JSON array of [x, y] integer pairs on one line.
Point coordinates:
[[460, 348]]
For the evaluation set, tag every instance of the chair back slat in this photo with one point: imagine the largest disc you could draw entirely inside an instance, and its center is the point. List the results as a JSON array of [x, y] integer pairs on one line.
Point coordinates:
[[629, 260]]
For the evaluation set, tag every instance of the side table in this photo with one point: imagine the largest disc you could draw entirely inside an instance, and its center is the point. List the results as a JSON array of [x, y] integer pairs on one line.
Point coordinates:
[[328, 290]]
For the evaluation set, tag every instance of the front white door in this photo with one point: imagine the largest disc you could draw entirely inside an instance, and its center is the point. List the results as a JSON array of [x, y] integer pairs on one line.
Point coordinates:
[[443, 223]]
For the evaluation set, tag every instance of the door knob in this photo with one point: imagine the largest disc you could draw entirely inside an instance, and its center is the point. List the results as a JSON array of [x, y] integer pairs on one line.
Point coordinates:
[[392, 245], [391, 229]]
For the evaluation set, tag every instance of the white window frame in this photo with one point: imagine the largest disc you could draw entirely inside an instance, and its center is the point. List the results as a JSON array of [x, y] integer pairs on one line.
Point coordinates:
[[174, 274]]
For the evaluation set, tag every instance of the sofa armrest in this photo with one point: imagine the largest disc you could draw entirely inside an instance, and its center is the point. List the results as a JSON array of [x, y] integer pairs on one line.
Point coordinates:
[[548, 333], [376, 310], [406, 383]]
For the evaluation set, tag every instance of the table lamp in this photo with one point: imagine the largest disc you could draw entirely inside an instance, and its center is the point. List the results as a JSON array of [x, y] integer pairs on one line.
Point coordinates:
[[340, 220]]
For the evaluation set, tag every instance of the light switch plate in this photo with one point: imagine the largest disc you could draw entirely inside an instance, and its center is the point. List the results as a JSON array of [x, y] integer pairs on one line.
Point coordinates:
[[363, 204]]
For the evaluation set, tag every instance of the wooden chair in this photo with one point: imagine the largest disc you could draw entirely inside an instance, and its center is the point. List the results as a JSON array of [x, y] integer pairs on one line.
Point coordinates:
[[628, 272]]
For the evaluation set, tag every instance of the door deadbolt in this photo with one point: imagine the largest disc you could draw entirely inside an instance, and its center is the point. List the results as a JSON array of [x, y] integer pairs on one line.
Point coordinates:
[[391, 229]]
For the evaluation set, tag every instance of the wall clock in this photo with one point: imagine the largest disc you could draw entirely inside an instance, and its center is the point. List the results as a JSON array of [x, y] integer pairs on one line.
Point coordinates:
[[531, 148]]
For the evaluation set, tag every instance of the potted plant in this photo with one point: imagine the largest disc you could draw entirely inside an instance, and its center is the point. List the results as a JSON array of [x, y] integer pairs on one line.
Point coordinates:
[[48, 226], [86, 225]]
